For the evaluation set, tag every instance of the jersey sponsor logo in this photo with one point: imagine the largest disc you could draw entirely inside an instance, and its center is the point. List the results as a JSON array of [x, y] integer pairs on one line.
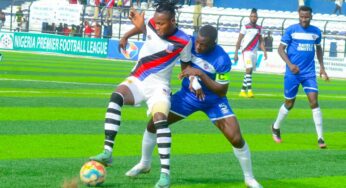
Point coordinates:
[[305, 47]]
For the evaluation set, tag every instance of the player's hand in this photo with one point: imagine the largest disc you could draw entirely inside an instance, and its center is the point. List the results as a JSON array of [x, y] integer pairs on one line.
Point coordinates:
[[189, 71], [324, 75], [235, 57], [137, 18], [122, 44], [294, 68], [200, 94]]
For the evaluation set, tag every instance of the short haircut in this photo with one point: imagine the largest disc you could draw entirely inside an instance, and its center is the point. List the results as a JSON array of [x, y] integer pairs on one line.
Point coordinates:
[[209, 32], [166, 6], [253, 10], [305, 8]]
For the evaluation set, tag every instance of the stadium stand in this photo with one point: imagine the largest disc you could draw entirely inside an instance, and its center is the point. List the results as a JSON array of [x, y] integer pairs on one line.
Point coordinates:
[[227, 20]]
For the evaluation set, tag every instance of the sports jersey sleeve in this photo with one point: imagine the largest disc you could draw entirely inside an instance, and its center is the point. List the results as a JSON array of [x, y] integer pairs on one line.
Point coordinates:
[[185, 54], [243, 30], [318, 40], [223, 69], [287, 37]]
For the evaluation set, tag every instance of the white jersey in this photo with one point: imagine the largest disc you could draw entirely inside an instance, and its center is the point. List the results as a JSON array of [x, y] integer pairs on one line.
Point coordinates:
[[158, 55], [251, 40]]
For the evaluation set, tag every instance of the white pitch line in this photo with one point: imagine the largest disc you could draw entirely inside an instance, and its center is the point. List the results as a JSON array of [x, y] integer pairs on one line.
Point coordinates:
[[51, 92], [57, 82]]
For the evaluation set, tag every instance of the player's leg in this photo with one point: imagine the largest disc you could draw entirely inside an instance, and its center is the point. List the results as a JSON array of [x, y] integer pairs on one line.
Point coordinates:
[[148, 145], [230, 128], [246, 61], [291, 85], [311, 90], [124, 94], [179, 110], [249, 72]]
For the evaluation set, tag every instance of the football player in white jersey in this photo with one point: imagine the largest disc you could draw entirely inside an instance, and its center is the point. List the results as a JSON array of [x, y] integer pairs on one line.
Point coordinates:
[[250, 38], [149, 80]]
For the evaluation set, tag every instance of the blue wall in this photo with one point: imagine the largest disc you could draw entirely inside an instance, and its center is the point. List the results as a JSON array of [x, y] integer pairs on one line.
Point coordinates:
[[318, 6]]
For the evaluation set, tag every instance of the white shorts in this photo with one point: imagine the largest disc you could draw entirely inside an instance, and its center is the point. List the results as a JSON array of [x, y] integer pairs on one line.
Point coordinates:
[[250, 59], [152, 93]]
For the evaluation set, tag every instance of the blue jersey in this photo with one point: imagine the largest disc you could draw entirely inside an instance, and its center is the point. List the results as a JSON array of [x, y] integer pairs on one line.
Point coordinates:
[[216, 62], [300, 43]]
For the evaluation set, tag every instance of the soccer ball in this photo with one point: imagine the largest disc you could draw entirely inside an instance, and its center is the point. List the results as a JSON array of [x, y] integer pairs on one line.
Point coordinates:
[[93, 173]]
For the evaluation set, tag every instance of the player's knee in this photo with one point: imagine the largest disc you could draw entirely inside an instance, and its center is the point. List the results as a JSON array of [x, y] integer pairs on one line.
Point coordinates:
[[159, 109], [289, 104], [313, 104], [151, 127]]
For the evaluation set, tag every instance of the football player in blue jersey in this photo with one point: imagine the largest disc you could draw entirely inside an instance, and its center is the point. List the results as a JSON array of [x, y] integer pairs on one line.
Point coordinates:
[[297, 49], [204, 87]]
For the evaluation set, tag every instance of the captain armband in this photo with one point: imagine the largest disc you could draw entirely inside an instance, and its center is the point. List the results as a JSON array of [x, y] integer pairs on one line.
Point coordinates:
[[222, 77]]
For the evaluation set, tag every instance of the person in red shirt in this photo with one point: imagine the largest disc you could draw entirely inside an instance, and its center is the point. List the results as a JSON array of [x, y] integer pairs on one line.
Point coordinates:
[[73, 1], [66, 31], [88, 30]]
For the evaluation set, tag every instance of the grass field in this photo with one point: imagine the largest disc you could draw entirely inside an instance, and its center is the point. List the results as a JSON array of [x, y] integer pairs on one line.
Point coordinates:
[[51, 120]]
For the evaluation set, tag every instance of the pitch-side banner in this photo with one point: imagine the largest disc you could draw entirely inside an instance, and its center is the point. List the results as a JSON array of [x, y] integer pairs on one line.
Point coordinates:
[[6, 40], [131, 52], [60, 44]]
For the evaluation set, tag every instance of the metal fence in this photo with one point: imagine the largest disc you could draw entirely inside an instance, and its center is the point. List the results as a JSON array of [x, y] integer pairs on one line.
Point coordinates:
[[333, 43]]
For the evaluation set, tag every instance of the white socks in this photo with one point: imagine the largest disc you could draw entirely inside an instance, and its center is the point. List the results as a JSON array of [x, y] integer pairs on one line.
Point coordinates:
[[317, 116], [244, 157], [148, 145], [281, 116]]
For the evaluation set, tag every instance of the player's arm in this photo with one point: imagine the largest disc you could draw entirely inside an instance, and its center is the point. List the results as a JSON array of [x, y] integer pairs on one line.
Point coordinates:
[[137, 20], [263, 48], [214, 86], [319, 53], [282, 52], [237, 46]]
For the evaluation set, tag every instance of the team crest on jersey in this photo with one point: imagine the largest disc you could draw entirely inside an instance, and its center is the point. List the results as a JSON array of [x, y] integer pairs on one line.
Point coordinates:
[[170, 48], [166, 91]]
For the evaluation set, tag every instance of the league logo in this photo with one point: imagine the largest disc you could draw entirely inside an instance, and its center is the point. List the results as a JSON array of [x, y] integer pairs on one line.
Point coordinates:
[[6, 40], [131, 50]]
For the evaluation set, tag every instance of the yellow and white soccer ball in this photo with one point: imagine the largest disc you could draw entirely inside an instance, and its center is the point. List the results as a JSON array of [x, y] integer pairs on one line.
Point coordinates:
[[93, 173]]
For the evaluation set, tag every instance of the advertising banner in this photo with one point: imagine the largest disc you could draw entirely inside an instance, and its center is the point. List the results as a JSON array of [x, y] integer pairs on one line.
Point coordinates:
[[54, 12], [60, 44], [131, 52]]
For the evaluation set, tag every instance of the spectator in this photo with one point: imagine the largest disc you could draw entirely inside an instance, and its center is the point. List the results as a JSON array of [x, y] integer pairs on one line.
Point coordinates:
[[107, 30], [197, 17], [60, 29], [19, 18], [2, 19], [338, 6], [96, 9], [97, 30], [109, 6], [66, 31], [88, 30], [268, 42], [73, 31], [73, 1], [79, 31], [301, 3]]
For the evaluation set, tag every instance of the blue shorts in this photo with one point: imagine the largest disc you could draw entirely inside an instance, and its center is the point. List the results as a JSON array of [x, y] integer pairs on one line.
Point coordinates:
[[292, 83], [184, 104]]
